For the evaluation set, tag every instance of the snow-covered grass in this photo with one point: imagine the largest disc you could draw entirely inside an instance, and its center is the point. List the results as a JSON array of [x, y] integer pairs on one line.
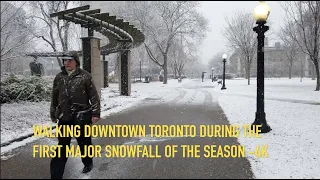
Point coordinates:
[[17, 119], [293, 143], [282, 88]]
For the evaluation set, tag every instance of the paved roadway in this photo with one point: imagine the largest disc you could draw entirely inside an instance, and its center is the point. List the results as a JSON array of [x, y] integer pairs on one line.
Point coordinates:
[[189, 104]]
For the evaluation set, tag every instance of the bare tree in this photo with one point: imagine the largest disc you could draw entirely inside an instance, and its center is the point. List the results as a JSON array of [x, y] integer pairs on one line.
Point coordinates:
[[179, 59], [290, 47], [173, 18], [55, 32], [161, 22], [240, 36], [137, 58], [183, 53], [15, 36], [194, 67], [291, 56], [305, 15]]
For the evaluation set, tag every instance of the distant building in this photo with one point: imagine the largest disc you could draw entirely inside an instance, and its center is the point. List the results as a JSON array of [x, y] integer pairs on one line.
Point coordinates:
[[276, 63]]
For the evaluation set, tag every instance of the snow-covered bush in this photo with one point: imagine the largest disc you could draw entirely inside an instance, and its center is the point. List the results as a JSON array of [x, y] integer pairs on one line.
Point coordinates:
[[14, 89]]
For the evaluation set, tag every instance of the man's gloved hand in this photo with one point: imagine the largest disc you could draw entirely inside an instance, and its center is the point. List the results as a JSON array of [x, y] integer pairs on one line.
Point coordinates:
[[54, 120], [94, 119]]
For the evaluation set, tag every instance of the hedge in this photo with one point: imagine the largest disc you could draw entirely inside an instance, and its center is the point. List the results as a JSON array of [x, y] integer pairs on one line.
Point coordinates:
[[34, 89]]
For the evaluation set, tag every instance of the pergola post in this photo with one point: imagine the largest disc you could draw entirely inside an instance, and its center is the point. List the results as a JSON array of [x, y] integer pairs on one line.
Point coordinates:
[[105, 72], [91, 60], [125, 72]]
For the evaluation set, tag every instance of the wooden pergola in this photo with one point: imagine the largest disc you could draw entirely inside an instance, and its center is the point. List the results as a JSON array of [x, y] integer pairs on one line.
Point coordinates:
[[122, 38], [116, 30]]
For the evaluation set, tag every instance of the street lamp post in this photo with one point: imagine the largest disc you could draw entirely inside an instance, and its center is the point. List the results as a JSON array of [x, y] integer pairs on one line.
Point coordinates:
[[212, 74], [261, 13], [224, 57]]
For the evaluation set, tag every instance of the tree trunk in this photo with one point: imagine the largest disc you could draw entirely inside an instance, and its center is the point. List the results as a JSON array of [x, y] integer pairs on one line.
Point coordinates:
[[179, 72], [318, 75], [175, 70], [165, 67], [290, 70], [301, 75], [66, 36], [313, 73], [248, 75], [248, 71], [301, 70]]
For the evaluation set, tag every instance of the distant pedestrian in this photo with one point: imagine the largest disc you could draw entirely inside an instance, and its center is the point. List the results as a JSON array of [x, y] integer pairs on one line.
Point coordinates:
[[202, 76]]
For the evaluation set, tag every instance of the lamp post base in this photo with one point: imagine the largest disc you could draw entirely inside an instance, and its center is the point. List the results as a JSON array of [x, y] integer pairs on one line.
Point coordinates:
[[261, 120]]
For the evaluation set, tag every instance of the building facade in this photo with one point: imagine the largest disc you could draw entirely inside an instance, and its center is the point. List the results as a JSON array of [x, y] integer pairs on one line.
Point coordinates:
[[276, 63]]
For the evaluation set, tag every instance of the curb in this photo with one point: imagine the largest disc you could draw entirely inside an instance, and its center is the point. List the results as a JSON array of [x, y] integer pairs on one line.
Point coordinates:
[[21, 138]]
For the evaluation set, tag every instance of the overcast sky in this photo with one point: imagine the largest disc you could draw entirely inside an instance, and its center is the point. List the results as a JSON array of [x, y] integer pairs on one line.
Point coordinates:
[[215, 11]]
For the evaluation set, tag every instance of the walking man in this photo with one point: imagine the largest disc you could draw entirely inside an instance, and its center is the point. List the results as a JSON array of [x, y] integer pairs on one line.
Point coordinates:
[[75, 101]]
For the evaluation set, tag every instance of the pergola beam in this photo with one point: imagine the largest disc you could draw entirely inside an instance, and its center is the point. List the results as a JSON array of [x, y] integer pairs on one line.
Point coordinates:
[[50, 54], [114, 29], [73, 10], [90, 12]]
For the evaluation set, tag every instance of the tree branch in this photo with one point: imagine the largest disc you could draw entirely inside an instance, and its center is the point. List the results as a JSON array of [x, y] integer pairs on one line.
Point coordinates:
[[150, 54]]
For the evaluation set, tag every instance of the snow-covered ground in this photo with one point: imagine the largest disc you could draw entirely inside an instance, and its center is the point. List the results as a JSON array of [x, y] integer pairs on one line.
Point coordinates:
[[112, 102], [292, 111], [17, 119], [282, 88], [293, 143]]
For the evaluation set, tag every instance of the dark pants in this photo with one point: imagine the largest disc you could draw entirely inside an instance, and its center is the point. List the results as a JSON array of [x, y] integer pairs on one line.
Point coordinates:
[[57, 164]]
